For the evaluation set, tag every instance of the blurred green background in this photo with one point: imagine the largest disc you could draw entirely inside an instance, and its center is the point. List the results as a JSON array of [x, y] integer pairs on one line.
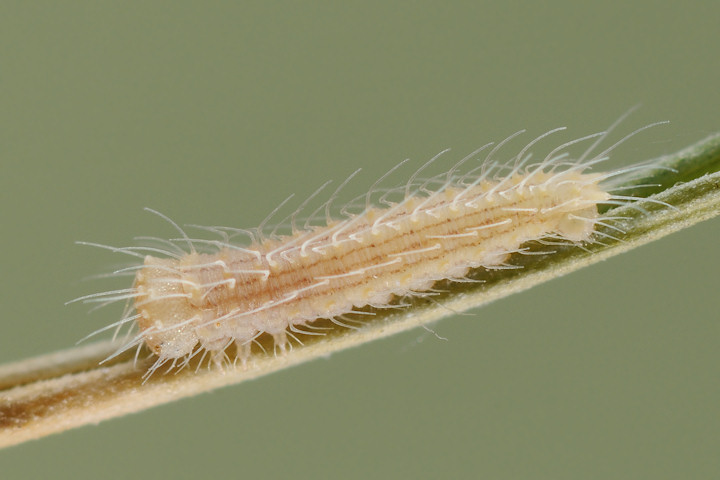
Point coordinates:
[[212, 112]]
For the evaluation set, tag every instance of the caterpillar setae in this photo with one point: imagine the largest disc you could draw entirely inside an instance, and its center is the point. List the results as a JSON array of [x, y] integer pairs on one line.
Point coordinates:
[[197, 295]]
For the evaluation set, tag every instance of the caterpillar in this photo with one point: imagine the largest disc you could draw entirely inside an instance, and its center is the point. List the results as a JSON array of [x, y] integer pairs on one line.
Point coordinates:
[[200, 295]]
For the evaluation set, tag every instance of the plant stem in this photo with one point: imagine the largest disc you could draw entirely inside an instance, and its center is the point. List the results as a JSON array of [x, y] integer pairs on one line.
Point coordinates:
[[68, 389]]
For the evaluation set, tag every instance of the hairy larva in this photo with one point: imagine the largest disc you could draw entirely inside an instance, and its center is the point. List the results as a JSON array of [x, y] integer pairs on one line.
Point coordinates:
[[223, 291]]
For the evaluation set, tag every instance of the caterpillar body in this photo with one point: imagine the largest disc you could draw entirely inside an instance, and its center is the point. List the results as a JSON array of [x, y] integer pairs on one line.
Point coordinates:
[[219, 292]]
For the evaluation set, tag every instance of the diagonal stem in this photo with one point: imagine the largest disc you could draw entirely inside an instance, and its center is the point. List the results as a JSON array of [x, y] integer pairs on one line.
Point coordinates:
[[68, 389]]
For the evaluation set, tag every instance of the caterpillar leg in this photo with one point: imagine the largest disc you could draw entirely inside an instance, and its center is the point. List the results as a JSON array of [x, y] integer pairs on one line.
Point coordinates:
[[281, 343]]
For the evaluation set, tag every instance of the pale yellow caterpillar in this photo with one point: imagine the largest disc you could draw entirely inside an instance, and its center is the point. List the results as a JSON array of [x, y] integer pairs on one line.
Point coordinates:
[[198, 296]]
